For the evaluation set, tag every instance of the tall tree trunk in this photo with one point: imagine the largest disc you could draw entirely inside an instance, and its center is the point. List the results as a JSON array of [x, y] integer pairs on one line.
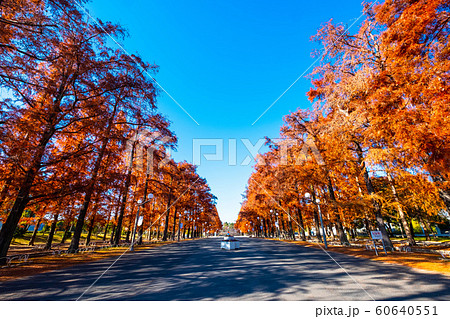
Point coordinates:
[[113, 231], [317, 225], [48, 245], [174, 223], [5, 189], [107, 225], [428, 226], [291, 228], [342, 238], [166, 223], [401, 213], [301, 225], [91, 228], [179, 227], [111, 239], [141, 228], [33, 237], [124, 197], [66, 232], [22, 198], [158, 232], [376, 203], [265, 227], [75, 243]]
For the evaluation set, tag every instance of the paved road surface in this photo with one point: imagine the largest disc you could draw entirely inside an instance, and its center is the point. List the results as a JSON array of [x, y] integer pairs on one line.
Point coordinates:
[[261, 270]]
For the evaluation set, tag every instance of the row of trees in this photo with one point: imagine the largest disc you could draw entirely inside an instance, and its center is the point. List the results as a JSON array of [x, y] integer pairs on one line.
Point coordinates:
[[73, 111], [375, 148]]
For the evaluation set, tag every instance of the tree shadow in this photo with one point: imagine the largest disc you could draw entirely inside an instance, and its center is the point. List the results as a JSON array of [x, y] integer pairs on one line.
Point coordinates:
[[260, 270]]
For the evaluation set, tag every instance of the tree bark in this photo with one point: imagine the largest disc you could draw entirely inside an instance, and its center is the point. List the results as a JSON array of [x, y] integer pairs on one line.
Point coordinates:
[[376, 203], [33, 237], [91, 228], [166, 223], [22, 199], [66, 232], [317, 225], [302, 226], [124, 198], [342, 238], [174, 224], [75, 243], [401, 213], [5, 189], [179, 228], [48, 245], [141, 228]]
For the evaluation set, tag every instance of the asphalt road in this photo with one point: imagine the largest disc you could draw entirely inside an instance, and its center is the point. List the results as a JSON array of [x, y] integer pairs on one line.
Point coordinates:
[[260, 270]]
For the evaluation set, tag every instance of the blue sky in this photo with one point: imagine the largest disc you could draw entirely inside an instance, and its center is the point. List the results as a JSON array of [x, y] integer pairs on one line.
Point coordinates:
[[225, 63]]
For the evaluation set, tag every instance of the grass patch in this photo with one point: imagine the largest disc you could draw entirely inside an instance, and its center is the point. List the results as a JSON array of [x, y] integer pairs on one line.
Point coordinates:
[[41, 238]]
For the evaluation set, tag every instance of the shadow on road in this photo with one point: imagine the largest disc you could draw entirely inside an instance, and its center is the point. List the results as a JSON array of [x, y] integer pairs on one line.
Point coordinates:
[[260, 270]]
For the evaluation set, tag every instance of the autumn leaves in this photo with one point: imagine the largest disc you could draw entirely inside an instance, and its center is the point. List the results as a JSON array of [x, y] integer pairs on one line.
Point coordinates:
[[381, 123], [69, 104]]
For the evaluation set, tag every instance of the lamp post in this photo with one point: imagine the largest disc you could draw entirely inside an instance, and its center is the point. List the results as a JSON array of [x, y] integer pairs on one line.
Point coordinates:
[[150, 197], [317, 202]]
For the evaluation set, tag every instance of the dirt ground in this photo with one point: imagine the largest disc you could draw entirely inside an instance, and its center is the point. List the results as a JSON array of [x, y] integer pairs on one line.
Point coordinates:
[[425, 261], [47, 263]]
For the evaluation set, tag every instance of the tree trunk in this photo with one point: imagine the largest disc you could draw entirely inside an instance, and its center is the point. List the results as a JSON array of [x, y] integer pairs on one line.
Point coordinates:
[[401, 213], [301, 225], [106, 230], [265, 227], [317, 225], [48, 245], [166, 223], [342, 238], [141, 228], [66, 232], [91, 228], [158, 232], [124, 198], [174, 223], [179, 228], [22, 198], [331, 232], [33, 237], [291, 230], [111, 240], [130, 224], [5, 189], [376, 203], [75, 243]]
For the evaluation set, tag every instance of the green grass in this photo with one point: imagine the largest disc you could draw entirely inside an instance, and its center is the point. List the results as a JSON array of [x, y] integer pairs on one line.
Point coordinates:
[[41, 238], [438, 239]]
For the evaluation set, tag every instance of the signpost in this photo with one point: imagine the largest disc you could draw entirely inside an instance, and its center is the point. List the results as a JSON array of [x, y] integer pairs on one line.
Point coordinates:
[[376, 235]]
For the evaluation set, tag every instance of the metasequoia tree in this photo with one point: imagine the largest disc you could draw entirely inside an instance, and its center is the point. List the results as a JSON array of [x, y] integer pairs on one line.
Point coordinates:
[[71, 108], [380, 110]]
